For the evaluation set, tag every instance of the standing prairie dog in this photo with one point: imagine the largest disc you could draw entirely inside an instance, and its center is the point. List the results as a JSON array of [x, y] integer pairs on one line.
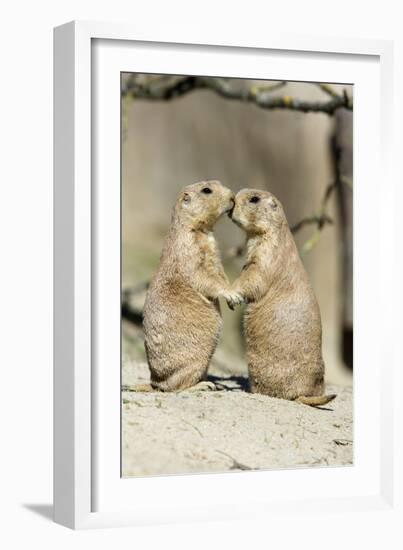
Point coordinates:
[[282, 319], [182, 318]]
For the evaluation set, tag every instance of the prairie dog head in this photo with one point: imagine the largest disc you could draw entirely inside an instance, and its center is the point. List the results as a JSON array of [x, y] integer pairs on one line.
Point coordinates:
[[201, 204], [257, 212]]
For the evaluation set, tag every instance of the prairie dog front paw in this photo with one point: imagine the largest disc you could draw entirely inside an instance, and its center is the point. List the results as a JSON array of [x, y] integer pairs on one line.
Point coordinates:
[[232, 298]]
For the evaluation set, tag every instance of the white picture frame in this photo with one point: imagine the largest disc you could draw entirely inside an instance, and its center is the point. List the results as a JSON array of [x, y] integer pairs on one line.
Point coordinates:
[[88, 491]]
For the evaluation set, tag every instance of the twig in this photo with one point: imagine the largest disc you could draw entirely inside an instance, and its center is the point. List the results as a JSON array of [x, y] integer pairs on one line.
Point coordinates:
[[319, 220], [322, 219], [256, 90], [328, 89], [192, 426], [347, 181], [311, 242], [235, 464]]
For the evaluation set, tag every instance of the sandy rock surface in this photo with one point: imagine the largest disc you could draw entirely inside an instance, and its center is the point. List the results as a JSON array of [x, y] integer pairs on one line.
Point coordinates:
[[228, 429]]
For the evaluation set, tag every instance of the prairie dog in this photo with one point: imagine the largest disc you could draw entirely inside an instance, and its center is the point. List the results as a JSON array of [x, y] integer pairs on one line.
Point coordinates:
[[182, 318], [282, 320]]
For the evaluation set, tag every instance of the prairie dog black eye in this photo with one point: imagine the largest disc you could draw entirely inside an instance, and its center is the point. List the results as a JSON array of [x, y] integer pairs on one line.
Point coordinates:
[[206, 190], [254, 199]]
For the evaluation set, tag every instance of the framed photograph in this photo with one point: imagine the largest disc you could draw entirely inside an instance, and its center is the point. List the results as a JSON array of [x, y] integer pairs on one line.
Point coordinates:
[[222, 335]]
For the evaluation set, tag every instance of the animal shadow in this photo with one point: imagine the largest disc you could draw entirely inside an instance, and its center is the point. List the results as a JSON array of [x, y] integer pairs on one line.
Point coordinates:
[[230, 383]]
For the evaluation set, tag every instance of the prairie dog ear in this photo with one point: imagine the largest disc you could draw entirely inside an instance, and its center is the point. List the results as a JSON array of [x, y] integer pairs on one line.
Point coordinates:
[[186, 198], [273, 203]]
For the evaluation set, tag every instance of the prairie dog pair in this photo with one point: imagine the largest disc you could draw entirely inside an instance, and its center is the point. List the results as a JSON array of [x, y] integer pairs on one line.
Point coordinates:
[[182, 318]]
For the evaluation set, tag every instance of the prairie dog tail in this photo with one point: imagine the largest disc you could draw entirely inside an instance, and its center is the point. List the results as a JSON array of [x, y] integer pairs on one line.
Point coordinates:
[[315, 401]]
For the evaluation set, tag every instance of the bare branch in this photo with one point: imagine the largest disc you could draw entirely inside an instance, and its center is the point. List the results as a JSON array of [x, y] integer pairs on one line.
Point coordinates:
[[321, 219], [171, 88]]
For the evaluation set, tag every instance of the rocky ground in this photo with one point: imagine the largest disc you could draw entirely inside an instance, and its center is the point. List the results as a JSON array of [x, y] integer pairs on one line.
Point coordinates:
[[228, 429]]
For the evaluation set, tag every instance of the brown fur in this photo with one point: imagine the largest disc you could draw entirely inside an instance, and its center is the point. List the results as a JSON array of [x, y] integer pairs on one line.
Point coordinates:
[[182, 318], [282, 319]]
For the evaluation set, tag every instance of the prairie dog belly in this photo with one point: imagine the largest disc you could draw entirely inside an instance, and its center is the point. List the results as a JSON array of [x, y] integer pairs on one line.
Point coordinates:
[[284, 347], [181, 332]]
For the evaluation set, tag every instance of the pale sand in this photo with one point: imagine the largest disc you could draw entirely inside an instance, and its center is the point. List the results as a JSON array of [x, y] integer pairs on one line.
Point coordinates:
[[229, 429]]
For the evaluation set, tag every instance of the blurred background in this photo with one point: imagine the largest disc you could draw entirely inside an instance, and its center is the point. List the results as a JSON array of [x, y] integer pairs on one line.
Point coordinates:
[[293, 139]]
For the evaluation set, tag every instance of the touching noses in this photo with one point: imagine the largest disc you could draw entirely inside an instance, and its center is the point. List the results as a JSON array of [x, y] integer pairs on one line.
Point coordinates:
[[232, 202]]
